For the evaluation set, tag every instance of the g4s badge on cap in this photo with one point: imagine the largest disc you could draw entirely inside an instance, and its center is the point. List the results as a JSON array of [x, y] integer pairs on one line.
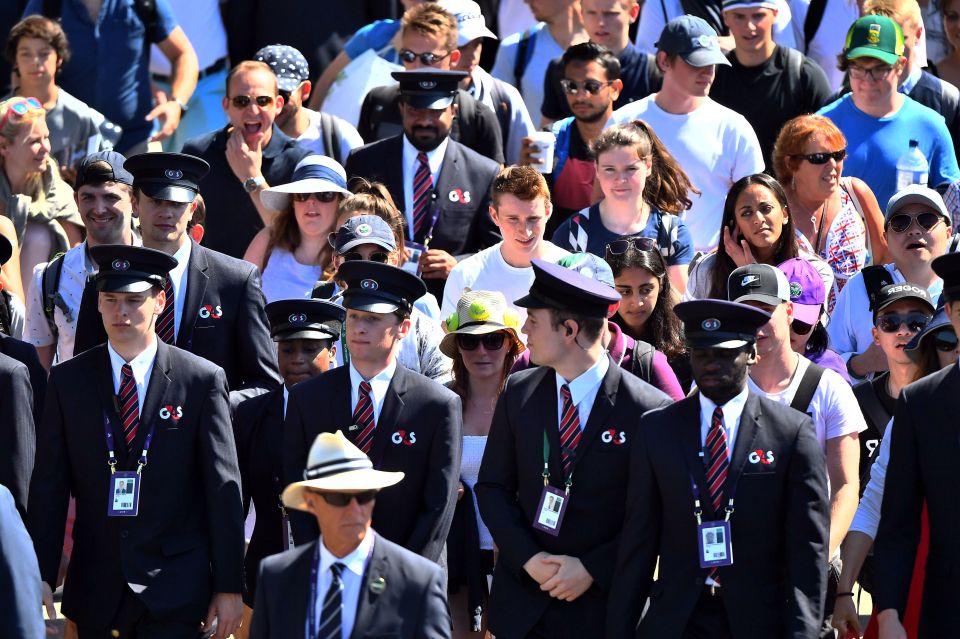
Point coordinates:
[[369, 285], [710, 324], [297, 318], [120, 265], [171, 412], [403, 437], [210, 311], [173, 174]]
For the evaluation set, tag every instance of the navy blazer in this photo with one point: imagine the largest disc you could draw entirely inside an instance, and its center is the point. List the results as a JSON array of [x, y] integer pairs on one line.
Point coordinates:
[[187, 540], [779, 528], [18, 437], [413, 605], [420, 432]]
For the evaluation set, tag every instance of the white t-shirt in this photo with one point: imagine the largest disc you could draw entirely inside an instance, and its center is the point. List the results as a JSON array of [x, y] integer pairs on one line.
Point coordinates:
[[201, 22], [867, 518], [544, 49], [312, 138], [488, 271], [834, 408], [830, 36], [716, 146]]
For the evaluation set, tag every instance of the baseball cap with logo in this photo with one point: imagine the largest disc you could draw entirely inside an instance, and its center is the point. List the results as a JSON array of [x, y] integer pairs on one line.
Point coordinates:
[[904, 291], [470, 23], [692, 39], [758, 283], [807, 291], [288, 65], [874, 37], [917, 194], [363, 229]]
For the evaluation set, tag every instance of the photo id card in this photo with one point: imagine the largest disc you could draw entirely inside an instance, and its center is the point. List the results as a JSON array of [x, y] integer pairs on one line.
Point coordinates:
[[716, 549], [124, 494], [553, 505], [415, 251]]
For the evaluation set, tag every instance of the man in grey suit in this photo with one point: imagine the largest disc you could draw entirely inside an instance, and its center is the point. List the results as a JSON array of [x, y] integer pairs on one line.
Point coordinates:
[[351, 582]]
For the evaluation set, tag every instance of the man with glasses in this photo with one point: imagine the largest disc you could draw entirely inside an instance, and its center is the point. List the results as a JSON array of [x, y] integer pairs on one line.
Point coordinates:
[[790, 379], [360, 584], [878, 121], [428, 40], [917, 229], [245, 157]]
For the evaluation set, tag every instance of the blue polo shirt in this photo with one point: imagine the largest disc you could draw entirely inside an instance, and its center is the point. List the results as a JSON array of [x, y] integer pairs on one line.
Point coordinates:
[[110, 60]]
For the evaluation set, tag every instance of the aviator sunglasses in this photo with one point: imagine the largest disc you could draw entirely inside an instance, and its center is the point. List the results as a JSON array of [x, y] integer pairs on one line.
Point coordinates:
[[572, 87], [619, 247], [892, 322], [429, 58], [902, 221], [243, 101]]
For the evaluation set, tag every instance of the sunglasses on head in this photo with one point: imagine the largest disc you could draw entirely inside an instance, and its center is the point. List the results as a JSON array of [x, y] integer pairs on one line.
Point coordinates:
[[490, 341], [823, 158], [572, 87], [326, 196], [891, 322], [355, 256], [901, 221], [20, 108], [340, 500], [619, 247], [945, 340], [429, 58], [800, 328], [243, 101]]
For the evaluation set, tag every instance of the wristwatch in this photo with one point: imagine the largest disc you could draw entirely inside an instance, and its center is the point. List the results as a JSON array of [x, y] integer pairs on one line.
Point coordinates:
[[252, 184], [183, 107]]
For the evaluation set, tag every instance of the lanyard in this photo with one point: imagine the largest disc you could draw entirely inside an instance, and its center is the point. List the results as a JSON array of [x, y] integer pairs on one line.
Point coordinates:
[[568, 483], [314, 588], [435, 210], [111, 456], [698, 511]]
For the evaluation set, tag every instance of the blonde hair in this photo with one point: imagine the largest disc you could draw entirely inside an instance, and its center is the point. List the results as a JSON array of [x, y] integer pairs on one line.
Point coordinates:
[[903, 12], [14, 125], [430, 19]]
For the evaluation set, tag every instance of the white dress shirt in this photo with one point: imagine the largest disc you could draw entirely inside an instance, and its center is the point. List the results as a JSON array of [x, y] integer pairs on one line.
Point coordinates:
[[378, 388], [352, 577], [142, 366], [732, 411], [410, 164], [178, 279], [583, 390]]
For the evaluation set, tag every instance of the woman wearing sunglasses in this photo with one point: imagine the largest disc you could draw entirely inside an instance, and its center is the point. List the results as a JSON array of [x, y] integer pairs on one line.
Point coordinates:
[[836, 218], [483, 343], [644, 192], [32, 194], [293, 252], [757, 227]]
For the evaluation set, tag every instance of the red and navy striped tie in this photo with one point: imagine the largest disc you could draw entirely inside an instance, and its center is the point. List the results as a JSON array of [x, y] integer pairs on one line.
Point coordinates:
[[363, 417], [422, 187], [569, 431], [129, 406], [165, 325], [717, 466]]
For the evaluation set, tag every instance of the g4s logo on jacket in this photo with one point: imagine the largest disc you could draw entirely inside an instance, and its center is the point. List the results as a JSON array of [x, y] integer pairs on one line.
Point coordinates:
[[612, 436], [403, 437], [210, 311]]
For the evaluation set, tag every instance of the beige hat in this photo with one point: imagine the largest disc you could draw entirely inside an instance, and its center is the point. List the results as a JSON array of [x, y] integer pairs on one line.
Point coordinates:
[[335, 464], [478, 313]]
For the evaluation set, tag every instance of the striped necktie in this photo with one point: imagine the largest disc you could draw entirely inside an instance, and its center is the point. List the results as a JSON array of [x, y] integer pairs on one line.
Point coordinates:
[[422, 188], [331, 616], [717, 466], [165, 323], [129, 406], [569, 431], [363, 417]]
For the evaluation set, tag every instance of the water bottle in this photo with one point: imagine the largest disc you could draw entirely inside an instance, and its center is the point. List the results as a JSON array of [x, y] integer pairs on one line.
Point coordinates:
[[912, 167]]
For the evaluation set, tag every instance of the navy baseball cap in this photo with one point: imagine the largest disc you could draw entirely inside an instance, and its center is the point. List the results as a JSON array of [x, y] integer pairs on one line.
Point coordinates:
[[174, 177], [428, 89], [693, 40], [555, 286], [720, 324], [304, 318], [100, 167], [379, 288], [130, 269], [363, 229], [288, 65]]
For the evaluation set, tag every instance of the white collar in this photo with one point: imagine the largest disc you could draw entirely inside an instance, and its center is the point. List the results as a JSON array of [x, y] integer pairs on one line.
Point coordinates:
[[355, 562], [434, 157], [732, 409], [383, 376], [140, 364], [585, 381]]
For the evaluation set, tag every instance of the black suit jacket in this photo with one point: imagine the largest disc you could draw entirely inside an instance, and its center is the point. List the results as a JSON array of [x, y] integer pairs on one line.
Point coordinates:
[[27, 354], [19, 575], [18, 438], [510, 485], [419, 432], [380, 119], [779, 528], [413, 604], [187, 540], [924, 447], [223, 321]]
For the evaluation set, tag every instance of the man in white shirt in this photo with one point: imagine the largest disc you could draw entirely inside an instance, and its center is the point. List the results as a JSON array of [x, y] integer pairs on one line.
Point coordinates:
[[716, 146], [339, 489], [520, 207]]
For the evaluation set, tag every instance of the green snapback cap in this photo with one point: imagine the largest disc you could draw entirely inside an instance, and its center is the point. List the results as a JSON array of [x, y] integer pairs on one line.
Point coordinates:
[[874, 37]]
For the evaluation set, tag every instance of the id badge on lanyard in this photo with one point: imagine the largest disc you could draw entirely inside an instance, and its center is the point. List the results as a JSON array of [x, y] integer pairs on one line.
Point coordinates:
[[553, 501], [123, 499], [714, 541]]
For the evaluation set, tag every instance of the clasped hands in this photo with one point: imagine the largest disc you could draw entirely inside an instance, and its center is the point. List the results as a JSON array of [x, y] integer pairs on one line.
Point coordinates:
[[561, 576]]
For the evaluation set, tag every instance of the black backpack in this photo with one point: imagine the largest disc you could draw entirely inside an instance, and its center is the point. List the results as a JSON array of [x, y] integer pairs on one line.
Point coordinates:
[[642, 363], [146, 10], [331, 137]]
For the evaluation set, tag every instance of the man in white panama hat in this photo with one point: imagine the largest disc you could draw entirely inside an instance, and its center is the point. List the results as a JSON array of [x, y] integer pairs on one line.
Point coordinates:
[[351, 581]]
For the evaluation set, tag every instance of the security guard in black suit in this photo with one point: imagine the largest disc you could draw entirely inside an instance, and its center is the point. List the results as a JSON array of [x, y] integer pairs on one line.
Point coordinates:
[[217, 311], [158, 546], [553, 479], [402, 420], [447, 208], [306, 332], [922, 470], [729, 490], [18, 437]]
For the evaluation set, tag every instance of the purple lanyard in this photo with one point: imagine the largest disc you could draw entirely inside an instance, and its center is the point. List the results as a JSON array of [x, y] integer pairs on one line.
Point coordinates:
[[111, 456], [435, 215]]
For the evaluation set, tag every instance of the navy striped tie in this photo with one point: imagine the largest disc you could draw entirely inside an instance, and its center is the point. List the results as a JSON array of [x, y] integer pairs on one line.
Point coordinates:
[[331, 616], [422, 187], [129, 405], [363, 417], [569, 431], [165, 325], [717, 466]]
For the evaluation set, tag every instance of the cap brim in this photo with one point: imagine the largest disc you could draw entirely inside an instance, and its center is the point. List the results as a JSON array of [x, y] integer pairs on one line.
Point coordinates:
[[468, 35], [871, 52], [123, 284], [772, 300], [807, 313], [531, 301], [369, 303], [718, 341], [448, 345], [915, 298], [164, 191], [304, 333], [278, 197], [355, 480], [427, 100], [366, 240], [705, 57]]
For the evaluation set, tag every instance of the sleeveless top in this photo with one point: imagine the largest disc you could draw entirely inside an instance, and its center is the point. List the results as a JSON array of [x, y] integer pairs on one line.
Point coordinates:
[[285, 278], [470, 457]]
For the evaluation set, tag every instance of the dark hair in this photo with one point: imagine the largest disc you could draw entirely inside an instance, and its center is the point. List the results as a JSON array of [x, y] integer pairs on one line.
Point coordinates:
[[199, 213], [459, 383], [667, 187], [786, 248], [592, 52], [590, 327], [819, 340], [663, 329], [40, 28]]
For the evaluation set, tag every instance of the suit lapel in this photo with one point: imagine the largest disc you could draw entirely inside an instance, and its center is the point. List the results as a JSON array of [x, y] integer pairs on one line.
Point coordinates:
[[109, 404], [389, 414], [689, 428], [297, 602], [196, 288], [377, 570], [341, 405], [602, 406], [449, 177], [545, 420], [394, 171], [747, 433], [156, 391]]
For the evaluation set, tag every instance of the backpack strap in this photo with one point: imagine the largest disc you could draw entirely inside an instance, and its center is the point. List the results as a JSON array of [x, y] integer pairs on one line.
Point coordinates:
[[331, 136], [501, 106], [50, 287], [524, 55], [812, 22], [870, 406], [146, 10], [642, 363], [807, 388], [561, 148], [875, 277]]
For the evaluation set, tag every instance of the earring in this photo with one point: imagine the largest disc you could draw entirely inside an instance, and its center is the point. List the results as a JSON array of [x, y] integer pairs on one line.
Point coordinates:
[[793, 183]]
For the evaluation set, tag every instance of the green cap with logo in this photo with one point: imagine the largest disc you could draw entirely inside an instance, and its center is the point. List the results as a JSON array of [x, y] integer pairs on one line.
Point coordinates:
[[874, 37]]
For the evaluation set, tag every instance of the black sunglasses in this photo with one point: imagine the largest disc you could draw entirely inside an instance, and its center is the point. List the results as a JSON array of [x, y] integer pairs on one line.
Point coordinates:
[[243, 101], [892, 322], [619, 247], [945, 340], [823, 158], [429, 58], [326, 196], [340, 500], [572, 87], [355, 256], [490, 341], [902, 221], [801, 328]]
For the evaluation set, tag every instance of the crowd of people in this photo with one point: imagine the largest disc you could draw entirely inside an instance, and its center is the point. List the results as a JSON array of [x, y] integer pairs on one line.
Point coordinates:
[[617, 303]]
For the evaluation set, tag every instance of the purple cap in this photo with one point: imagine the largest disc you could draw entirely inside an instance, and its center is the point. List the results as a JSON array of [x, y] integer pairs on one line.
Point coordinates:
[[807, 291]]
